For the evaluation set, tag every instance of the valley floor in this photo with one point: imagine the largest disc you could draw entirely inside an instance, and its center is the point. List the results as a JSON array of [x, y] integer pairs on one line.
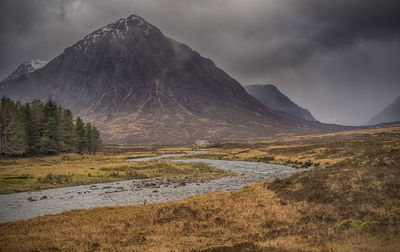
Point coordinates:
[[348, 201], [38, 173]]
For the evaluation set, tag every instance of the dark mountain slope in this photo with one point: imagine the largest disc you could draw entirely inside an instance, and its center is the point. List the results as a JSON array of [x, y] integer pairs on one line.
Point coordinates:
[[270, 96], [390, 114]]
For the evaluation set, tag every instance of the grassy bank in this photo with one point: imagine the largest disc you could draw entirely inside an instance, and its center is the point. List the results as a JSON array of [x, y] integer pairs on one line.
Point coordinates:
[[350, 202], [35, 173], [316, 151]]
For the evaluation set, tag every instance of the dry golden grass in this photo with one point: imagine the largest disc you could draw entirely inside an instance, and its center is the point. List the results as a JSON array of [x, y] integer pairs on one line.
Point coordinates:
[[351, 204], [251, 218], [219, 218], [321, 150], [35, 173]]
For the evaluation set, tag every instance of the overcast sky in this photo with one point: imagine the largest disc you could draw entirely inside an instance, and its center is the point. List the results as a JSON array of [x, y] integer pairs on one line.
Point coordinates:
[[340, 59]]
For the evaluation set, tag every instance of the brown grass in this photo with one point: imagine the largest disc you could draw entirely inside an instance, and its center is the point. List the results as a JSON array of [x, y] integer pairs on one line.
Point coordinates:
[[253, 218], [36, 173], [318, 150], [351, 204]]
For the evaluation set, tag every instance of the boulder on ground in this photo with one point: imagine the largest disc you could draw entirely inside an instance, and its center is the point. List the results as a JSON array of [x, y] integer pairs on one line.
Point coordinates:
[[203, 143]]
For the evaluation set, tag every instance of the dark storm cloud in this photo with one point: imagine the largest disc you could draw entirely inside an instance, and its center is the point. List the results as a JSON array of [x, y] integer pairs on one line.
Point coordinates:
[[331, 56], [24, 27], [15, 19], [344, 22], [296, 30]]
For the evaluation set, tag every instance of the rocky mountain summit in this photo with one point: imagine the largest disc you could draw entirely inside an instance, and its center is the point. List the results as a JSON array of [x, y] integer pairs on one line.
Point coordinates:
[[26, 68], [270, 96], [139, 86]]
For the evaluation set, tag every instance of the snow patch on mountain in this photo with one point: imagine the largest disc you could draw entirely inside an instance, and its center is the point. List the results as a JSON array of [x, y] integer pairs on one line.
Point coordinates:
[[26, 68], [113, 31], [37, 64]]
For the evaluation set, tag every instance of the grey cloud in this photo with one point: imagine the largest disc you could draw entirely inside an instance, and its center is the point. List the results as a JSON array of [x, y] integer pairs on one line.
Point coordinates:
[[317, 52], [24, 29]]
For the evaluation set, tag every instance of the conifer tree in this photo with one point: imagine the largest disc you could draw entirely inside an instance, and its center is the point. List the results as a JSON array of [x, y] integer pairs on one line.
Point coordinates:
[[89, 139], [96, 140], [38, 126], [48, 129], [12, 131], [52, 132], [61, 129], [29, 128], [69, 134], [80, 136]]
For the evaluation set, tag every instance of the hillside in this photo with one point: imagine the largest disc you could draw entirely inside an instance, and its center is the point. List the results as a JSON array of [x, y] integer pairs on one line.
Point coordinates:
[[270, 96], [390, 114]]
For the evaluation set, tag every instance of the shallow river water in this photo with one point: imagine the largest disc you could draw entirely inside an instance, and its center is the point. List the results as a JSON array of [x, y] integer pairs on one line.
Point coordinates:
[[25, 205]]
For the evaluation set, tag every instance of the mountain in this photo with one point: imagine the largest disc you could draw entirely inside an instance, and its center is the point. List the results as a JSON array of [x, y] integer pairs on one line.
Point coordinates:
[[390, 114], [270, 96], [139, 86], [25, 68]]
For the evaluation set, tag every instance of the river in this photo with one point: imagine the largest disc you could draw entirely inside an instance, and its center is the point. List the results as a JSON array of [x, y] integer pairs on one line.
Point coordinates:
[[26, 205]]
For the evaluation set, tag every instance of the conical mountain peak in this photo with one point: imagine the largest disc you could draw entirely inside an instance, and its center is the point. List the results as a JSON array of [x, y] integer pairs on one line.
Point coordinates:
[[123, 29]]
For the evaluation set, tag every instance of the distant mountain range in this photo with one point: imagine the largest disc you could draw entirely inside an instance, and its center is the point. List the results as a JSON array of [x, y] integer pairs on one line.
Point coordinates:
[[139, 87], [390, 114], [270, 96], [26, 68]]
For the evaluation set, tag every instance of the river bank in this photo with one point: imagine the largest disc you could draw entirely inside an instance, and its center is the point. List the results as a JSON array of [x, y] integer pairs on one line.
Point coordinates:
[[27, 205]]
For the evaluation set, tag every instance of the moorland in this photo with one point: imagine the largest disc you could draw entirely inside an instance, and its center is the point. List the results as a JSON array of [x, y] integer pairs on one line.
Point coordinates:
[[347, 200]]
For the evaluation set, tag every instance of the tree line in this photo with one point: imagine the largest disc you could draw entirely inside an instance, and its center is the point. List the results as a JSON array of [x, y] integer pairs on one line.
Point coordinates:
[[39, 128]]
